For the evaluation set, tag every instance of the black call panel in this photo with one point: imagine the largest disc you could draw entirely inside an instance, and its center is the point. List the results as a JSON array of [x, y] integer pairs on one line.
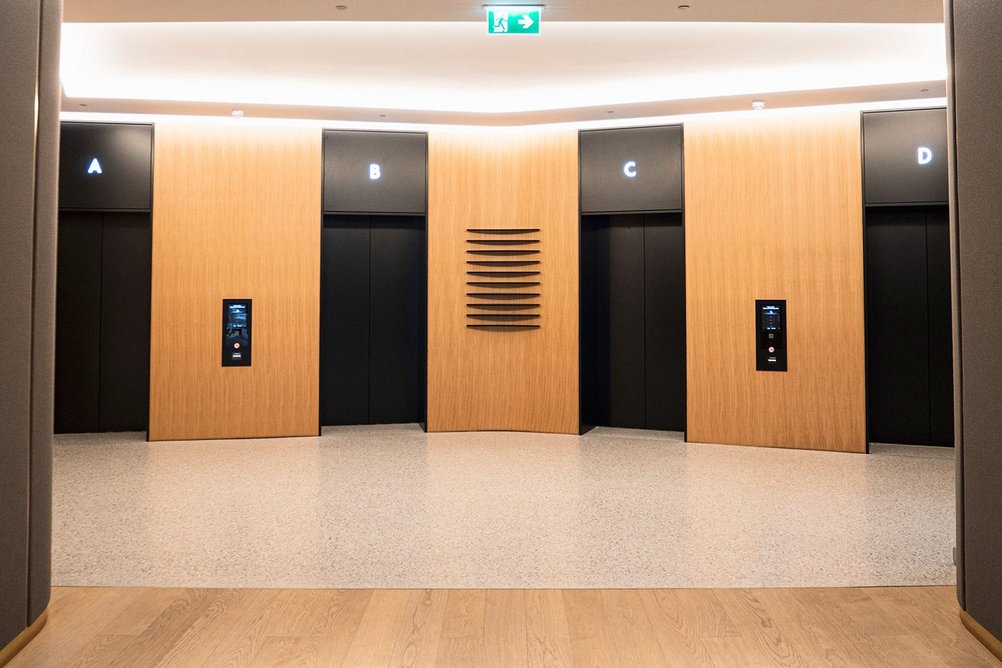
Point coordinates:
[[631, 169], [770, 334], [375, 172], [236, 332], [105, 167], [904, 157]]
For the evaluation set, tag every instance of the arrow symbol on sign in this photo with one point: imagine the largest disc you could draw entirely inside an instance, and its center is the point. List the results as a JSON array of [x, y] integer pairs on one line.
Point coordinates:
[[526, 22]]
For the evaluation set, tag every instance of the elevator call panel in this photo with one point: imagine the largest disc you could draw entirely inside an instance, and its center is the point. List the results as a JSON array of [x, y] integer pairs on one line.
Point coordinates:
[[770, 334], [236, 332]]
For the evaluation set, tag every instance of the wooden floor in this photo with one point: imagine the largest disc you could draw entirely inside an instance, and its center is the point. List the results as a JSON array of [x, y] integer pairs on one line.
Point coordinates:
[[761, 627]]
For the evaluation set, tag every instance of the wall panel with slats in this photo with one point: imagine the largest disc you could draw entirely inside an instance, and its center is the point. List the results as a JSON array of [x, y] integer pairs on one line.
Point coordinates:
[[503, 347]]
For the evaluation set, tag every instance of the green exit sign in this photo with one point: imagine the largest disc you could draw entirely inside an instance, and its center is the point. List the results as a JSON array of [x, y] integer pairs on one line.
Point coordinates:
[[516, 20]]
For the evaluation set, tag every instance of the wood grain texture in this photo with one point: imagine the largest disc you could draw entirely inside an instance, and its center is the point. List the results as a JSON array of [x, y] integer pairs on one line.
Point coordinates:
[[911, 627], [504, 380], [774, 211], [236, 214]]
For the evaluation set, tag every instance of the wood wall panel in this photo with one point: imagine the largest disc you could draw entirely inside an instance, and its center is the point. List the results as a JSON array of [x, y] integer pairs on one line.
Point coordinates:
[[774, 211], [512, 380], [236, 214]]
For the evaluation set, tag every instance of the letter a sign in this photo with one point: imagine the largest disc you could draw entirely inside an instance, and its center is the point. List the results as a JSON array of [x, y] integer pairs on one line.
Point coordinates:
[[95, 167]]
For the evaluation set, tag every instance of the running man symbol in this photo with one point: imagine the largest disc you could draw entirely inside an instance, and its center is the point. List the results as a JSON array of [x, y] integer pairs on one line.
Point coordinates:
[[500, 22]]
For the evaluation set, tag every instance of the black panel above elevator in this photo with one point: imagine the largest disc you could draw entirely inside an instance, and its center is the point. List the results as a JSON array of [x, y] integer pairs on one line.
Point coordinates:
[[904, 157], [105, 167], [631, 170], [375, 172]]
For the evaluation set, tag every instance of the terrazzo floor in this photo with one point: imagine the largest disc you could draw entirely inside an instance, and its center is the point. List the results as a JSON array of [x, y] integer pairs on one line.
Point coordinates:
[[395, 507]]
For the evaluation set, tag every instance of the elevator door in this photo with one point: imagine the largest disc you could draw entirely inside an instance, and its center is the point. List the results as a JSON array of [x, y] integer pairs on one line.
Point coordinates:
[[373, 320], [102, 322], [633, 321], [909, 326]]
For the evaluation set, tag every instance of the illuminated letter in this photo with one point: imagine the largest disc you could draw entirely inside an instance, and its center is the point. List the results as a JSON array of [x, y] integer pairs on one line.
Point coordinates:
[[95, 167], [375, 171], [630, 169], [924, 155]]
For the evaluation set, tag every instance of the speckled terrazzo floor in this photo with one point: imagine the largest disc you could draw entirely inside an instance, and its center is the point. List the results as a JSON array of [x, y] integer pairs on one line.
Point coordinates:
[[394, 507]]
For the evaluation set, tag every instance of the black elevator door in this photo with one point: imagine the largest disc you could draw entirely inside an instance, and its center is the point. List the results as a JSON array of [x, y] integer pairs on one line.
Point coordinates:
[[909, 326], [373, 320], [633, 321], [102, 322]]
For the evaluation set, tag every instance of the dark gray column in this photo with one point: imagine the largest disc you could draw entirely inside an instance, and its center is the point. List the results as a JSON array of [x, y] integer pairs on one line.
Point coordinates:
[[976, 228], [29, 36]]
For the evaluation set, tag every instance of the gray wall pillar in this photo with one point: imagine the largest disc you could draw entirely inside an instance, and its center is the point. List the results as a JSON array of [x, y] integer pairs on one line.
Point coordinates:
[[976, 194], [29, 135]]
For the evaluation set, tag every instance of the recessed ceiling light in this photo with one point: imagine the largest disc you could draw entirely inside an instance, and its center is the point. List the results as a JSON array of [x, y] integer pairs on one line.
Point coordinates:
[[610, 112], [341, 7], [382, 115], [683, 6], [83, 104], [924, 90], [758, 105], [237, 113]]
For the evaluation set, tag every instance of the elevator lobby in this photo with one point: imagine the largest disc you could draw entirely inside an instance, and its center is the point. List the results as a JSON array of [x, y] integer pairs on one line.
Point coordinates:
[[500, 334]]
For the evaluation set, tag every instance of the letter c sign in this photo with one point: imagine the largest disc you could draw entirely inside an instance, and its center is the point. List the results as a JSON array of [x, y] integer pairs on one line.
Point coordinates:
[[630, 169]]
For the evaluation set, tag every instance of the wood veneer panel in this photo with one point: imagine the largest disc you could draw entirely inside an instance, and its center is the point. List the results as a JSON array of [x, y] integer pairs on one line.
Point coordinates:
[[236, 215], [518, 379], [774, 211]]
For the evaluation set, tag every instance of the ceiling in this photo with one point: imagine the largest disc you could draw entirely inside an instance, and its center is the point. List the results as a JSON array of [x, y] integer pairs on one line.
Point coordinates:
[[801, 11], [589, 63]]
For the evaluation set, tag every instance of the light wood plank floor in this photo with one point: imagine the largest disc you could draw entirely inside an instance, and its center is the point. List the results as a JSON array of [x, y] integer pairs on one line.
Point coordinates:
[[911, 627]]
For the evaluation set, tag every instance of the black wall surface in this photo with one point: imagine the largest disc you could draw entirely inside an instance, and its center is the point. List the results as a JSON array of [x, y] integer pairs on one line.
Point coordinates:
[[656, 157], [976, 199], [103, 322], [401, 186], [125, 155], [633, 321], [373, 315], [909, 326], [29, 140]]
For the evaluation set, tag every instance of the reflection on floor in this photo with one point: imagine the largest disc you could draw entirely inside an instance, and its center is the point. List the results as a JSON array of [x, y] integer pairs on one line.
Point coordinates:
[[909, 627], [375, 507]]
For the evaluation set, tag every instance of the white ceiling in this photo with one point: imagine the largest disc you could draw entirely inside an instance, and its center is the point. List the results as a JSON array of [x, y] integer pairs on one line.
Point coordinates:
[[802, 11], [454, 72]]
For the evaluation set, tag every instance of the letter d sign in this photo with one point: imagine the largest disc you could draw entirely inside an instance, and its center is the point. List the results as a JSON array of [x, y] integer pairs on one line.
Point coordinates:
[[375, 171], [924, 155]]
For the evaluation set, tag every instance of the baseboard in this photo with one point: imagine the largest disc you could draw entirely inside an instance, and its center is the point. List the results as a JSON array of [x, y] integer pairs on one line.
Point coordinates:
[[23, 638], [993, 644]]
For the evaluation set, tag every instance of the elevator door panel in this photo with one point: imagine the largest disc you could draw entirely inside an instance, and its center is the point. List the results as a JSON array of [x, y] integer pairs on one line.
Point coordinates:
[[396, 320], [344, 331], [78, 323], [125, 322], [897, 326], [621, 272], [940, 327], [633, 321], [103, 322], [664, 326]]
